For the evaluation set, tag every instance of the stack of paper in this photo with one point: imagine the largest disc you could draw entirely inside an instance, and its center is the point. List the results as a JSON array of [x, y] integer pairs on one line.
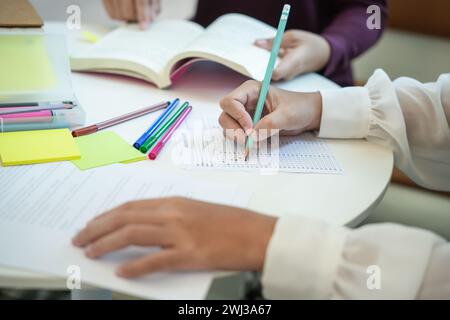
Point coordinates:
[[42, 207]]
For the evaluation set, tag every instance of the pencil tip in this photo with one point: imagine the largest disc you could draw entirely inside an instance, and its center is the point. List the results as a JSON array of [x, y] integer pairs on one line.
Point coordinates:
[[247, 153]]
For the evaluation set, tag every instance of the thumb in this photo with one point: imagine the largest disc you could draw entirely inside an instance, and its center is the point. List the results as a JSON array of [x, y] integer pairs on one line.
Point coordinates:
[[264, 43]]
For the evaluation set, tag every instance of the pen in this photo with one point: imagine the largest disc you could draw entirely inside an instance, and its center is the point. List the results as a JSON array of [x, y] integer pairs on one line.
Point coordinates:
[[117, 120], [34, 104], [11, 109], [38, 116], [153, 139], [268, 74], [157, 149], [156, 124]]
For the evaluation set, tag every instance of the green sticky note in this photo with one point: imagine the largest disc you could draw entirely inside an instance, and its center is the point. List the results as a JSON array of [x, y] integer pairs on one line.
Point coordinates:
[[104, 148], [37, 146]]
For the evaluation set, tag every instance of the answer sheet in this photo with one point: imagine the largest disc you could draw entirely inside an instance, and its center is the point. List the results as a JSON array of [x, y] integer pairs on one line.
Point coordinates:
[[207, 148], [43, 206]]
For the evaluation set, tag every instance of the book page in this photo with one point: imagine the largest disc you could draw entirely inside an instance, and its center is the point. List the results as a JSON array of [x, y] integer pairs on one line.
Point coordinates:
[[151, 48], [231, 37]]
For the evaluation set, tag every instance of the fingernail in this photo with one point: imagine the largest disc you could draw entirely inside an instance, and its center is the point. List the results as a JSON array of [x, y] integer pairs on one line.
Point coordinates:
[[90, 252], [248, 132], [261, 42], [120, 272], [76, 242]]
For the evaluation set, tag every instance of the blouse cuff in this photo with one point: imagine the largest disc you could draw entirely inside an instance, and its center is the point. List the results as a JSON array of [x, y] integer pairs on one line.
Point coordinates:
[[345, 113], [301, 259]]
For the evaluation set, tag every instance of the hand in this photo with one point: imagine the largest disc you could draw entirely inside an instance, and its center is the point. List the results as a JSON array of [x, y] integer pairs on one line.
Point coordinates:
[[191, 235], [300, 52], [290, 112], [142, 11]]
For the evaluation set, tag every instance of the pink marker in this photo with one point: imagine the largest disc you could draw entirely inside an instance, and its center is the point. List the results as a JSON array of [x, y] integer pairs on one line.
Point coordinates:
[[157, 149], [37, 116]]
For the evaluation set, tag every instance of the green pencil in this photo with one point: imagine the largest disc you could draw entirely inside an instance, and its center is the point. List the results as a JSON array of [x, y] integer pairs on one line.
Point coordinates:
[[268, 76], [154, 138]]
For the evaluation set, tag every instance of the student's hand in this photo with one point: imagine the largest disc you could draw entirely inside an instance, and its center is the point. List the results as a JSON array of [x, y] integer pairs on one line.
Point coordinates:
[[300, 52], [191, 234], [290, 112], [142, 11]]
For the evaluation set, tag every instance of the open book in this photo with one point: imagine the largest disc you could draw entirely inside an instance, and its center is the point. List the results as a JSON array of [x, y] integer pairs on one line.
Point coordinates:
[[168, 47]]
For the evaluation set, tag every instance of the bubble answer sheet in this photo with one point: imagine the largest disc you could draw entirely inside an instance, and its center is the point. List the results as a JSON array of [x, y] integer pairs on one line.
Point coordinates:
[[43, 206], [205, 147]]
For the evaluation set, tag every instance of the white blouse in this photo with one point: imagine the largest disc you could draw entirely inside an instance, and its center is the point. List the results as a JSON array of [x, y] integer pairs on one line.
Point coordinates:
[[308, 259]]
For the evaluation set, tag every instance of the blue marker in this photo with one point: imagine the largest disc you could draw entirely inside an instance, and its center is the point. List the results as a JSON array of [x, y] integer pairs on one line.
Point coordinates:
[[156, 124]]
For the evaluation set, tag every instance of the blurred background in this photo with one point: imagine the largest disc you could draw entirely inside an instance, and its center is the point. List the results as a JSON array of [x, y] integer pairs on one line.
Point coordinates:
[[416, 44]]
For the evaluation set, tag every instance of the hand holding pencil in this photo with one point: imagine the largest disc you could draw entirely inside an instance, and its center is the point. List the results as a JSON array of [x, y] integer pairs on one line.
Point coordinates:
[[290, 112]]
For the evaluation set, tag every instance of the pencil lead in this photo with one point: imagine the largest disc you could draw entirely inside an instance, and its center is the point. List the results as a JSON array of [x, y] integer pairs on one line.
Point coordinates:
[[247, 153]]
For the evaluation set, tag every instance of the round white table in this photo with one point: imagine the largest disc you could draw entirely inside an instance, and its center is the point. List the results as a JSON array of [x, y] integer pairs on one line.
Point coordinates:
[[338, 199], [344, 199]]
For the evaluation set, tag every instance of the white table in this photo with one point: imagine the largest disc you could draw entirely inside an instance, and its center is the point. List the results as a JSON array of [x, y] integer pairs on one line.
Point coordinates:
[[338, 199]]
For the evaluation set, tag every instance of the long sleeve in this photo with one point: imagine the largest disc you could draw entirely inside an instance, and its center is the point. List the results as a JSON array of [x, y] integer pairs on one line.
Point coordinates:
[[348, 34], [310, 259]]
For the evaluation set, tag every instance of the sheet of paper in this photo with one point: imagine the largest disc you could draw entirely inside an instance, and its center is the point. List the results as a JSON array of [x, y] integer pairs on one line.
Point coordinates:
[[209, 149], [38, 146], [104, 148], [43, 206]]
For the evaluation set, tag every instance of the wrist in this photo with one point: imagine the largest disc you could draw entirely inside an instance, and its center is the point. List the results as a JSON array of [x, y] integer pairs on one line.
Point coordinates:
[[262, 239], [314, 100]]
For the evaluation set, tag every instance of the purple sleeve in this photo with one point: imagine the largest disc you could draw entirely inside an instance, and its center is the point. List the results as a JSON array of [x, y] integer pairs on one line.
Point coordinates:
[[348, 34]]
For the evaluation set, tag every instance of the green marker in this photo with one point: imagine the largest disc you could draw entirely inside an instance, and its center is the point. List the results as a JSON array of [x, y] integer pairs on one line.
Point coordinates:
[[154, 138], [268, 76]]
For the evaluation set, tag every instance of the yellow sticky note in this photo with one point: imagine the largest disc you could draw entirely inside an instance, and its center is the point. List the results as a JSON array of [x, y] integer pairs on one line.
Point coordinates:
[[104, 148], [25, 64], [27, 147]]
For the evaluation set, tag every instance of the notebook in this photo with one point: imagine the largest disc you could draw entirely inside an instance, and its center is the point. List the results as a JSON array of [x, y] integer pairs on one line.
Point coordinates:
[[169, 47]]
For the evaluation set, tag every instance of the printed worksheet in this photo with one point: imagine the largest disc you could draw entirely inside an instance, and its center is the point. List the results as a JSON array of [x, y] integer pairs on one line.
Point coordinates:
[[207, 148], [42, 207]]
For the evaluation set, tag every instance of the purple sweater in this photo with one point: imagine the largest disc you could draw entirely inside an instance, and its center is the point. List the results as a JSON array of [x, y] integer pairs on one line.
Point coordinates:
[[341, 22]]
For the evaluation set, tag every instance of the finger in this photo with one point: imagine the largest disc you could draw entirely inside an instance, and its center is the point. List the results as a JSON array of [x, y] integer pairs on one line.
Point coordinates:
[[232, 129], [264, 43], [135, 234], [288, 66], [109, 8], [289, 40], [240, 102], [157, 4], [130, 213], [164, 260], [143, 13], [126, 10]]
